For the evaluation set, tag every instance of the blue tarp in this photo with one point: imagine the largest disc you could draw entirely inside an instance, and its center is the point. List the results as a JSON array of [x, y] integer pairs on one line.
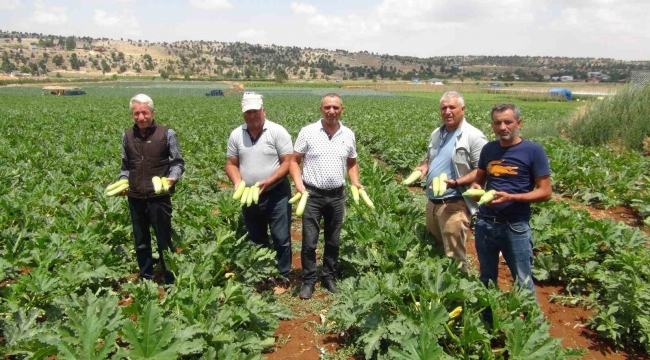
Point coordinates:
[[561, 92]]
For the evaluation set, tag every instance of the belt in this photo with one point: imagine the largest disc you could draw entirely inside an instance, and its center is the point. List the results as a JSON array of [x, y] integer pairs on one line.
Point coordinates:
[[494, 219], [446, 200], [325, 192]]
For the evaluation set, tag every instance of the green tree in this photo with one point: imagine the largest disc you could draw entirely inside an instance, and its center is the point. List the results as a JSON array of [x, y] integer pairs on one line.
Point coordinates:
[[280, 74], [57, 60], [7, 65], [148, 62], [70, 43], [43, 65], [105, 66], [74, 62]]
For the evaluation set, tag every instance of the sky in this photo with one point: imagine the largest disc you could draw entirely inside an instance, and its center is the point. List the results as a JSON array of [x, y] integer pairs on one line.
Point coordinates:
[[618, 29]]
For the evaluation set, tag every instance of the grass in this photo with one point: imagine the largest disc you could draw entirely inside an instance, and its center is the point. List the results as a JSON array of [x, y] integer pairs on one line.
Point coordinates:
[[620, 120], [303, 308]]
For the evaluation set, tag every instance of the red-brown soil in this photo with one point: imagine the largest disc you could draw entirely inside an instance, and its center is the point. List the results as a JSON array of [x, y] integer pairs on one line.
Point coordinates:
[[296, 341]]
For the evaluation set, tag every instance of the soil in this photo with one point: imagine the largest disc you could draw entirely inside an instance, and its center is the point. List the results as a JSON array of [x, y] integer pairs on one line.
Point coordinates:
[[297, 339]]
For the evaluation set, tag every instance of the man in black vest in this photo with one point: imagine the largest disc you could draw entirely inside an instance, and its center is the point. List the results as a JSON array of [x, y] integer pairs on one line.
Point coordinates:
[[149, 150]]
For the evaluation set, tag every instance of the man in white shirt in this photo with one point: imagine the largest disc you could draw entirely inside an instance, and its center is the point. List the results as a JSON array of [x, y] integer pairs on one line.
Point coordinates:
[[260, 151], [328, 149]]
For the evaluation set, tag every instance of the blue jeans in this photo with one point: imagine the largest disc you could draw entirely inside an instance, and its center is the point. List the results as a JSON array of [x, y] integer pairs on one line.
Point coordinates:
[[515, 242], [273, 212], [154, 212]]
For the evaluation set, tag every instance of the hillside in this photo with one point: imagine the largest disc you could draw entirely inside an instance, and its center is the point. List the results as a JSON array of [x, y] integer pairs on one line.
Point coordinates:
[[47, 55]]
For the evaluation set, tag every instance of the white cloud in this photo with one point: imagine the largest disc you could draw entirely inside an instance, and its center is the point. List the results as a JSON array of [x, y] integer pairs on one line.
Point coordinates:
[[346, 28], [255, 35], [10, 4], [303, 9], [211, 4], [48, 14], [627, 18], [418, 15], [124, 21], [517, 27]]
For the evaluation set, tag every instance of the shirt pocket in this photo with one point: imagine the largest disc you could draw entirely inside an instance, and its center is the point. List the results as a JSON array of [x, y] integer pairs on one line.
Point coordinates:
[[461, 157]]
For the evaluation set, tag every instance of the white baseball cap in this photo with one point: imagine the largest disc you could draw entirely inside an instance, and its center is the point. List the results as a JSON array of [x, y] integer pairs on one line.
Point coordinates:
[[251, 101]]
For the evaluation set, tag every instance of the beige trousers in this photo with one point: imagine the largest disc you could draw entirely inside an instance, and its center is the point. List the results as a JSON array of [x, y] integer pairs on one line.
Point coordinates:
[[449, 224]]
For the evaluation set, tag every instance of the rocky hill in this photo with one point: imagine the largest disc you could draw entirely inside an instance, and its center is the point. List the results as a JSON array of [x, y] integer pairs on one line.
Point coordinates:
[[46, 55]]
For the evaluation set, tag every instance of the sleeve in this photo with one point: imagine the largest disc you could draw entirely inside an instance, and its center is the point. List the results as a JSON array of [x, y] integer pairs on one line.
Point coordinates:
[[541, 165], [301, 145], [482, 161], [283, 142], [352, 152], [176, 162], [124, 169], [231, 148], [476, 146]]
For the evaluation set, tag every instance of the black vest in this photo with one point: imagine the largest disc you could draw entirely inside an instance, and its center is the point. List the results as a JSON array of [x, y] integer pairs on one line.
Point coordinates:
[[148, 157]]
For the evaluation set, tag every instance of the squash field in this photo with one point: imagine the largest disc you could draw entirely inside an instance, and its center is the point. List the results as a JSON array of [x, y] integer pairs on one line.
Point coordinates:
[[68, 275]]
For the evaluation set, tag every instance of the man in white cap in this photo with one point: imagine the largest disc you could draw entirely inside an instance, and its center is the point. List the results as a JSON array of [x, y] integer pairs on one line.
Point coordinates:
[[259, 151]]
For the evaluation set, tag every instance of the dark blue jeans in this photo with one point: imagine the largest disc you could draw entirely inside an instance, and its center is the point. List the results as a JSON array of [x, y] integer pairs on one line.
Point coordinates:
[[330, 207], [157, 213], [273, 212], [515, 242]]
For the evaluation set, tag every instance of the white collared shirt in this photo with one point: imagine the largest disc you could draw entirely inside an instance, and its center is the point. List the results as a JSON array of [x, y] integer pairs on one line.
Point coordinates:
[[325, 161]]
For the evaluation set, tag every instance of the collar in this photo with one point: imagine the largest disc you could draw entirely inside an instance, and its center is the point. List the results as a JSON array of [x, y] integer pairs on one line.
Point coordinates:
[[321, 127], [148, 130], [459, 129]]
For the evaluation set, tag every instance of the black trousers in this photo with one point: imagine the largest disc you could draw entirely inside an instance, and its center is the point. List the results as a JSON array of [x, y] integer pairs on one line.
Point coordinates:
[[329, 206], [157, 213]]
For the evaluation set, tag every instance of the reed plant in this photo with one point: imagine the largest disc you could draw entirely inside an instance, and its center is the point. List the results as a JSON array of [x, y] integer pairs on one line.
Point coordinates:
[[620, 120]]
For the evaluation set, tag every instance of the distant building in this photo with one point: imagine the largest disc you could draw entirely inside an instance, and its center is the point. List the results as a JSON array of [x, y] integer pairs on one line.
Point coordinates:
[[598, 75]]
